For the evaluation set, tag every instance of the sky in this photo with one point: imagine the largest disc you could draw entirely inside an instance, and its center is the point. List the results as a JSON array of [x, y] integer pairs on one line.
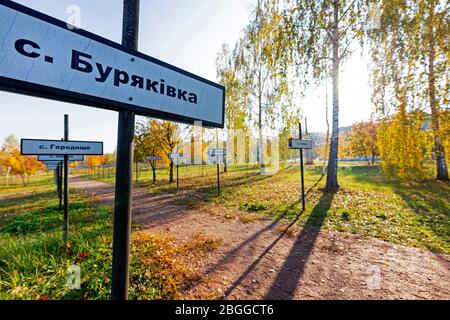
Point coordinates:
[[187, 34]]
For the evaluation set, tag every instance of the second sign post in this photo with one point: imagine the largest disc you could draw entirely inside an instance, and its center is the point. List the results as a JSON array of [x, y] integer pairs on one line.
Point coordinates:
[[61, 149], [301, 144], [135, 84]]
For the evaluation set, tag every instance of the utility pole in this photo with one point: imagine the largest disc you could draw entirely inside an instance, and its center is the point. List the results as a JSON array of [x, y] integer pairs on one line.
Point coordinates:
[[218, 176], [123, 197]]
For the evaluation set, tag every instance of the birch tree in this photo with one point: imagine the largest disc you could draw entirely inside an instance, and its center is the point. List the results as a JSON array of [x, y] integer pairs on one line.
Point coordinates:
[[410, 54], [264, 84], [320, 34]]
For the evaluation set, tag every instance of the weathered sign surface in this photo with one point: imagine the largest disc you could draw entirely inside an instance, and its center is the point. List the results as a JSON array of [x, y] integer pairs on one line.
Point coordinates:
[[60, 158], [42, 56], [153, 158], [300, 144], [176, 155], [60, 147]]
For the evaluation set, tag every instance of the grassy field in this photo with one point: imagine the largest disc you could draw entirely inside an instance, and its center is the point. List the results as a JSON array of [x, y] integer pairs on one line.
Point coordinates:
[[162, 173], [34, 260], [368, 203]]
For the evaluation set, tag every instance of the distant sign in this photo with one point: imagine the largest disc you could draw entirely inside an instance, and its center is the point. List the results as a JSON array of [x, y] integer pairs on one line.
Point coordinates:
[[72, 157], [217, 156], [45, 57], [217, 152], [52, 166], [51, 162], [153, 158], [60, 147], [176, 155], [300, 144]]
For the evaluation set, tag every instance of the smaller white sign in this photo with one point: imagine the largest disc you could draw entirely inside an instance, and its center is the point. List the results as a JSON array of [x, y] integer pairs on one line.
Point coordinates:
[[217, 152], [153, 158], [60, 147], [176, 155], [51, 162], [300, 144], [52, 166], [72, 157], [217, 156]]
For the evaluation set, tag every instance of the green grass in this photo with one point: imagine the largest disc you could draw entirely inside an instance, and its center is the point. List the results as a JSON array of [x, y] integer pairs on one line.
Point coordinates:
[[191, 178], [33, 257], [34, 260], [145, 175]]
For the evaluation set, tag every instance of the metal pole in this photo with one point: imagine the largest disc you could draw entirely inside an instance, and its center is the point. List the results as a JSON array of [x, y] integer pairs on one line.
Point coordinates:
[[217, 162], [66, 181], [124, 173], [55, 173], [59, 180], [218, 177], [301, 168], [177, 173]]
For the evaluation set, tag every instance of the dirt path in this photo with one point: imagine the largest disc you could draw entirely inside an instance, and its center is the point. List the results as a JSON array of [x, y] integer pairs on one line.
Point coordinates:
[[266, 260]]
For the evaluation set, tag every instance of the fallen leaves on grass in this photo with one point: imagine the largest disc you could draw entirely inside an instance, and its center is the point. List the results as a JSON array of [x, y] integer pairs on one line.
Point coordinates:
[[168, 266]]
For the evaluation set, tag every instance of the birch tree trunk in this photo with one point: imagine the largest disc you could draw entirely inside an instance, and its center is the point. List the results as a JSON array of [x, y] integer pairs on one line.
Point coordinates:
[[441, 165], [8, 170], [324, 167], [171, 171], [260, 143], [332, 182]]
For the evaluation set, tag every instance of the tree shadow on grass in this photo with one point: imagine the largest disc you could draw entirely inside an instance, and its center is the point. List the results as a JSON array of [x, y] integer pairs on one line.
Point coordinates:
[[205, 193], [286, 282], [429, 201], [45, 220], [310, 189], [368, 174], [199, 185], [24, 199]]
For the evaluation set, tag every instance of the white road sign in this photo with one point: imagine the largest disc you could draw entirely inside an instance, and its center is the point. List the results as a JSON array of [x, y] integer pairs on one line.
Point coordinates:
[[300, 144], [217, 152], [216, 156], [72, 157], [153, 158], [42, 56], [52, 166], [176, 155], [60, 147]]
